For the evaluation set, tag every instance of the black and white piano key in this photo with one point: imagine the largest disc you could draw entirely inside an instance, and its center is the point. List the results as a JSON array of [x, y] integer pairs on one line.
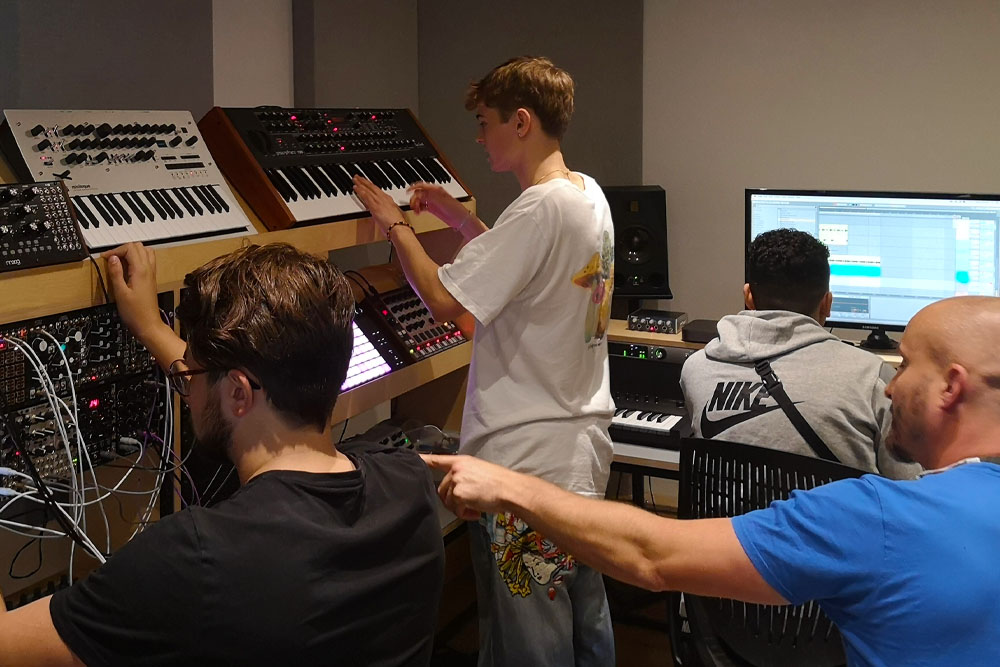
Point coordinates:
[[648, 420], [156, 216], [325, 190]]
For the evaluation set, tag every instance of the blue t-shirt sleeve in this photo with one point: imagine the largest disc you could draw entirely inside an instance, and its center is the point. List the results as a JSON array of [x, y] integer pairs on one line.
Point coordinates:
[[822, 544]]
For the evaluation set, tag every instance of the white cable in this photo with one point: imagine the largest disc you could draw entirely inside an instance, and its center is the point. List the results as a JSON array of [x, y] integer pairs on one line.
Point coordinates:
[[51, 394], [48, 532], [77, 487], [81, 444]]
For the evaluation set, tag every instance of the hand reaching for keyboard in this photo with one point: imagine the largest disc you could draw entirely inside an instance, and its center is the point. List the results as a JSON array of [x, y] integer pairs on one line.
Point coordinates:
[[383, 209]]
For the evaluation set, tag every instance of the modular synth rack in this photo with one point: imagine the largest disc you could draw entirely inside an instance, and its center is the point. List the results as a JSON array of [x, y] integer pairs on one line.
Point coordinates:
[[294, 166], [89, 351], [37, 226], [132, 175]]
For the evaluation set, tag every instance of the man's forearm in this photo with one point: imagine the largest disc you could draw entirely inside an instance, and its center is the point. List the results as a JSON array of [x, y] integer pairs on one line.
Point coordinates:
[[615, 538], [422, 273], [640, 548], [163, 343], [471, 227]]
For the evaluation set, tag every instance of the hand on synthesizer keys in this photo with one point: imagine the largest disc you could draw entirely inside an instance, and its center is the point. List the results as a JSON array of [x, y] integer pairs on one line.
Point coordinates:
[[382, 207]]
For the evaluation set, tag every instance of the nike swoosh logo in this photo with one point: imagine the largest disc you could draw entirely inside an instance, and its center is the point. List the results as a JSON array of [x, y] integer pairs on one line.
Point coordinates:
[[710, 428]]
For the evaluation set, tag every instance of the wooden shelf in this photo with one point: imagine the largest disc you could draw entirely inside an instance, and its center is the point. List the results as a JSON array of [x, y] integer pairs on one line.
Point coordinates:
[[618, 332], [53, 289]]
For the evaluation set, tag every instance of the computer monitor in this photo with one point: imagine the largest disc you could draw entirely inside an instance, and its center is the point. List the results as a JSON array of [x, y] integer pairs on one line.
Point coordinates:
[[891, 253]]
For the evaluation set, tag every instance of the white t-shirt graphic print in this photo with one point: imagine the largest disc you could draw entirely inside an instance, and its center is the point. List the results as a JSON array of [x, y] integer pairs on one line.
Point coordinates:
[[539, 285]]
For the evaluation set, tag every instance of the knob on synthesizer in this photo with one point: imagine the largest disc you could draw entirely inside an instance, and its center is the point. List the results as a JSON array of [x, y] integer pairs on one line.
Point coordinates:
[[149, 178], [39, 233], [294, 166]]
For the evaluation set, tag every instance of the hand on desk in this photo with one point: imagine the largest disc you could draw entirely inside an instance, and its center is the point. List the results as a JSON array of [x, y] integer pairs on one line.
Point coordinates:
[[471, 485]]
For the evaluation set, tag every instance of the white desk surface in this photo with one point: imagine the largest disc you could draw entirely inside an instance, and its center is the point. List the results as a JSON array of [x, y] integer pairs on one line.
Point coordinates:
[[650, 457]]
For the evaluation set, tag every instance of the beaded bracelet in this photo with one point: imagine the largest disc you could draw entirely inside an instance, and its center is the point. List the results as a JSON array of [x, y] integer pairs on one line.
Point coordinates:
[[399, 222]]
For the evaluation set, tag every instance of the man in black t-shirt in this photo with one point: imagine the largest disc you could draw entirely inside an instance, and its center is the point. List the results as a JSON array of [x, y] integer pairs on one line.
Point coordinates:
[[320, 557]]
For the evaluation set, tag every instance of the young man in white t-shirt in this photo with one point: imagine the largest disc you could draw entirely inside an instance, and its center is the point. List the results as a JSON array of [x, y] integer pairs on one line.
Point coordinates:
[[539, 285]]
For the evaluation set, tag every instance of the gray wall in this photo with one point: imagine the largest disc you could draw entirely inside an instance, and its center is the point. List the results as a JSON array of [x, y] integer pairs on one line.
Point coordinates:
[[112, 54], [252, 52], [351, 54], [887, 95], [599, 43]]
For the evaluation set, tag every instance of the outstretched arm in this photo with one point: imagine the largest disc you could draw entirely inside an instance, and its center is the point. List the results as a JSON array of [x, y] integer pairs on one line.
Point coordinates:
[[421, 271], [703, 557]]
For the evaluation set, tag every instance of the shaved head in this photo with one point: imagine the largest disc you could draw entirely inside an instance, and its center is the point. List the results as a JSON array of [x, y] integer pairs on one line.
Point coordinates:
[[963, 330], [946, 392]]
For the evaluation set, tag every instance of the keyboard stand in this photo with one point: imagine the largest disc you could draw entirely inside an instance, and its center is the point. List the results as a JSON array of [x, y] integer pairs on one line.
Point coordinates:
[[641, 462]]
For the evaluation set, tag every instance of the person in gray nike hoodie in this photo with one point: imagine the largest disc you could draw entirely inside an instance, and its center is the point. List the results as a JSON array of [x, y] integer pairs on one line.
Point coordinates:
[[838, 388]]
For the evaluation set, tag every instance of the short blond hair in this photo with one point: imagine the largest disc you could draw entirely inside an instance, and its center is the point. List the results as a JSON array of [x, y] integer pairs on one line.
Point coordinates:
[[531, 82]]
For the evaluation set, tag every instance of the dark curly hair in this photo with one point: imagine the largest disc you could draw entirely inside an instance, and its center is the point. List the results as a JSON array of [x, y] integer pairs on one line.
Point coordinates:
[[282, 315], [788, 270], [531, 82]]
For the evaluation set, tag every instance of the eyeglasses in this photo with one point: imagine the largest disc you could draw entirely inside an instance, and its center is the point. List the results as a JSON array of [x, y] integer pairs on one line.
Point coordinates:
[[179, 377]]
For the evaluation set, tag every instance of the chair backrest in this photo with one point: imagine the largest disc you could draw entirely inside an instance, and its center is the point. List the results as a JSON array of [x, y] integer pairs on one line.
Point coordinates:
[[725, 479]]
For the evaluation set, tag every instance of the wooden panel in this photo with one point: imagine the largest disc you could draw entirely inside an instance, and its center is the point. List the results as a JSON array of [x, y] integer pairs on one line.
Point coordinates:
[[242, 169], [439, 402]]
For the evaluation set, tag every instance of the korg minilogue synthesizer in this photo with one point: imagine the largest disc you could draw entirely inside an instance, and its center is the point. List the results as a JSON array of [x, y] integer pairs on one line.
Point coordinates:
[[132, 175], [294, 166]]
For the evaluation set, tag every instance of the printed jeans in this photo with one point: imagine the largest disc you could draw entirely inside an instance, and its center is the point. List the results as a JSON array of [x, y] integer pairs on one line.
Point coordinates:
[[537, 605]]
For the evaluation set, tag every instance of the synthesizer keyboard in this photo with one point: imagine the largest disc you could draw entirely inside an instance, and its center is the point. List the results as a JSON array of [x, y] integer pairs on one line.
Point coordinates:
[[645, 385], [647, 426], [294, 166], [131, 175]]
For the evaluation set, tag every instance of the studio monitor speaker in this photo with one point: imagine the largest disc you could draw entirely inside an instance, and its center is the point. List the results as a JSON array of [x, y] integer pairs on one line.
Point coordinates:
[[640, 217]]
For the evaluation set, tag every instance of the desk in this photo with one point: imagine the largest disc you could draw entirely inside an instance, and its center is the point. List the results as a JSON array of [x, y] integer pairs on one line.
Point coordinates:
[[619, 332], [642, 462]]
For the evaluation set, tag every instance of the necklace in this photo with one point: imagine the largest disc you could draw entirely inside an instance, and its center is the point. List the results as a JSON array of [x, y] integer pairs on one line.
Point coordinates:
[[563, 170]]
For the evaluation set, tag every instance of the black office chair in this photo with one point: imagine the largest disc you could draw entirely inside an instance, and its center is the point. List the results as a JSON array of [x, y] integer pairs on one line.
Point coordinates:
[[725, 479]]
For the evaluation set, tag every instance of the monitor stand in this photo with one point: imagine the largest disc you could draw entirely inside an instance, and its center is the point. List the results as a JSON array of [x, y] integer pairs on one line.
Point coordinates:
[[878, 339]]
